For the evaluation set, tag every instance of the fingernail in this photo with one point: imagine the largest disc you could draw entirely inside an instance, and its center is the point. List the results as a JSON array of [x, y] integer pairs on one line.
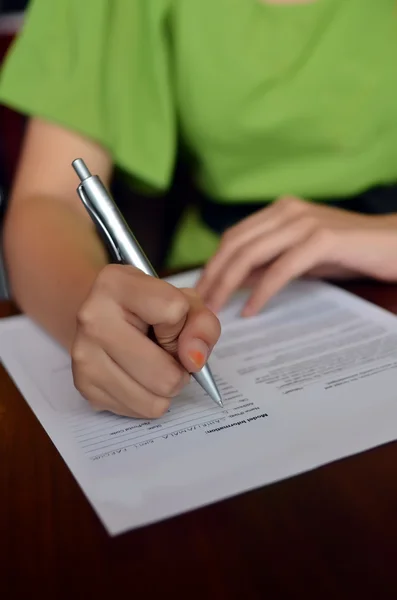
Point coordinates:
[[198, 353]]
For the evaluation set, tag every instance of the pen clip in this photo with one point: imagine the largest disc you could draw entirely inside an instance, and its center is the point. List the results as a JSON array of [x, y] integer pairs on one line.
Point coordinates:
[[97, 220]]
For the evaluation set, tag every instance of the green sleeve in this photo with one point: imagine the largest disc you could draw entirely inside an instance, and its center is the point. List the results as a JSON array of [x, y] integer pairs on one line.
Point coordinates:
[[99, 67]]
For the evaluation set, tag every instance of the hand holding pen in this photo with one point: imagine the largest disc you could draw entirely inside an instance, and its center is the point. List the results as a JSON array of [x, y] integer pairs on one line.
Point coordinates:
[[116, 365]]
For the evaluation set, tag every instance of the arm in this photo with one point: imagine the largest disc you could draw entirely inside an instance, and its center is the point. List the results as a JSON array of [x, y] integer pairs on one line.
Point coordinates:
[[52, 252], [56, 269], [56, 264]]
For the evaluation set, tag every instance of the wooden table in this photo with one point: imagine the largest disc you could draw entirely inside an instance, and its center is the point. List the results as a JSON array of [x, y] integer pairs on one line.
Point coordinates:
[[331, 533]]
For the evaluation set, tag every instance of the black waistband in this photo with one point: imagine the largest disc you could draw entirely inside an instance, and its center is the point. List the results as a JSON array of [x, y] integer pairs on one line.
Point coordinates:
[[220, 216]]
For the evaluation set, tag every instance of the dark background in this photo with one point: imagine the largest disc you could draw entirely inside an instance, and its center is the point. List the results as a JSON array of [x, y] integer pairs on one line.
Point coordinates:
[[8, 6]]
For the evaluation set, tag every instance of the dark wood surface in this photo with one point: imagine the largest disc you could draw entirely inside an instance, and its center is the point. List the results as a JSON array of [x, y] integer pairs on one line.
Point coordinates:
[[330, 533]]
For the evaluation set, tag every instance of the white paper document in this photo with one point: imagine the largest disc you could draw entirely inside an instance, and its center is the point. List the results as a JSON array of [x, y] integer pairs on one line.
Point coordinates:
[[311, 379]]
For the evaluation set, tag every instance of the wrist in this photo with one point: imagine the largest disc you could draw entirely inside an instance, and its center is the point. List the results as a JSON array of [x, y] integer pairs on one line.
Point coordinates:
[[385, 221]]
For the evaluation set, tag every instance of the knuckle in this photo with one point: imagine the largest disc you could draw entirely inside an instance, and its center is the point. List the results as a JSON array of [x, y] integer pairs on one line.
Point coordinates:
[[309, 222], [251, 259], [239, 256], [227, 280], [227, 237], [78, 352], [170, 383], [88, 321], [78, 381], [86, 314], [324, 237], [114, 277], [81, 383], [217, 327], [97, 405], [286, 200], [213, 328], [191, 293], [108, 278], [176, 306], [84, 369], [208, 314], [242, 261], [94, 397], [158, 408], [293, 204]]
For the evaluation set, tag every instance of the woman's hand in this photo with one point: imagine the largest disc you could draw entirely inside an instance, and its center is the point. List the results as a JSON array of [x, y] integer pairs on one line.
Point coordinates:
[[292, 238], [116, 366]]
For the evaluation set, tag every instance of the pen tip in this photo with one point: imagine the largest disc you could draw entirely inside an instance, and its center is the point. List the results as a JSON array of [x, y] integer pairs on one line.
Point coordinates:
[[207, 382], [217, 398], [214, 394]]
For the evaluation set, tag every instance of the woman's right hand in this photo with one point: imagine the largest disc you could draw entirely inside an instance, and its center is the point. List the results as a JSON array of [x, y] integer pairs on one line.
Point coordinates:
[[116, 366]]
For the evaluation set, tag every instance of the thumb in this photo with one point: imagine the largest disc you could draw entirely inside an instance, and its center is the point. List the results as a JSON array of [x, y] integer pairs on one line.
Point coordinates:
[[191, 337], [199, 335], [167, 333]]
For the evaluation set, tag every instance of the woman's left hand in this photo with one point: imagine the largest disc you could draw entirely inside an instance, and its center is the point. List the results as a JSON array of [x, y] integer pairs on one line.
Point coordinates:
[[293, 238]]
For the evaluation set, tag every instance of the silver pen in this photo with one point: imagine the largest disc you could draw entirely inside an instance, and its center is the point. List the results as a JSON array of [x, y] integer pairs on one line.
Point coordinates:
[[105, 214]]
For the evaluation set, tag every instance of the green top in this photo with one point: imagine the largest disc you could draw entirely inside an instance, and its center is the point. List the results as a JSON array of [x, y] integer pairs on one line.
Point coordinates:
[[269, 99]]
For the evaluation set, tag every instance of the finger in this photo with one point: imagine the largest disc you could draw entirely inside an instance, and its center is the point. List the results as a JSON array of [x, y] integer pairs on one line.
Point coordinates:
[[259, 252], [259, 224], [103, 323], [150, 365], [131, 396], [200, 334], [101, 401], [152, 300], [142, 359], [253, 278], [317, 248], [95, 370]]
